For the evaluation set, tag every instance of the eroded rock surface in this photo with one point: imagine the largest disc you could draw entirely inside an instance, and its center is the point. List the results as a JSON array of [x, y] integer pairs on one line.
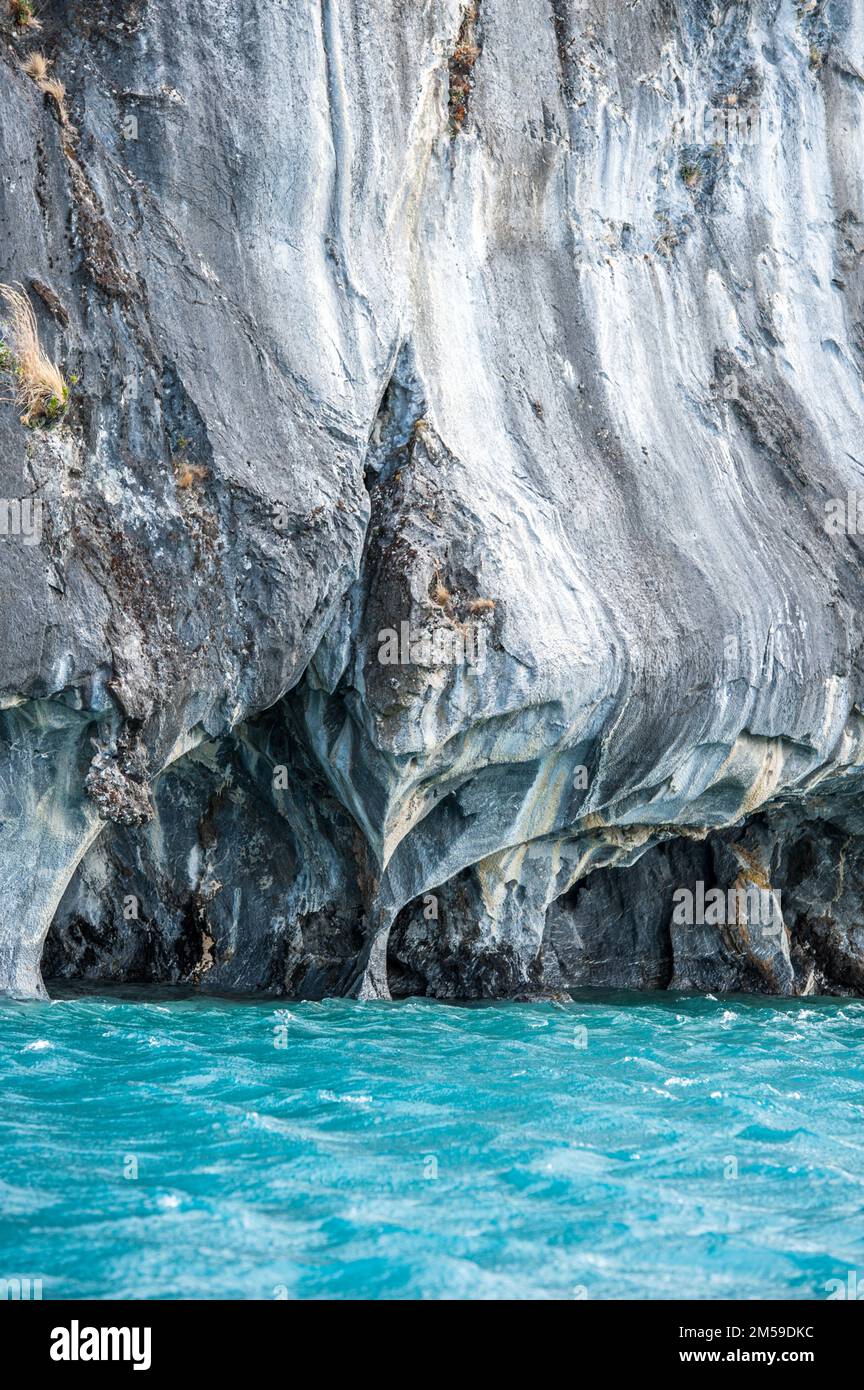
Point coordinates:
[[533, 327]]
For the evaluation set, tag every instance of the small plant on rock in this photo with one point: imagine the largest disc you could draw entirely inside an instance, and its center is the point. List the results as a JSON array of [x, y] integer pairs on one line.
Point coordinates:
[[39, 386], [36, 65], [462, 62], [691, 174], [53, 88], [22, 13], [439, 593], [186, 473]]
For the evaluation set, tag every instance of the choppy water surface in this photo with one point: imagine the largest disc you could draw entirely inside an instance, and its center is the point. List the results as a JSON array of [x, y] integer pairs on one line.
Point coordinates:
[[420, 1150]]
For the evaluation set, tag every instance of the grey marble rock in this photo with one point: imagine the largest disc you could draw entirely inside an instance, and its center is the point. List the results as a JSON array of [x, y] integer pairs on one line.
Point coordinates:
[[464, 401]]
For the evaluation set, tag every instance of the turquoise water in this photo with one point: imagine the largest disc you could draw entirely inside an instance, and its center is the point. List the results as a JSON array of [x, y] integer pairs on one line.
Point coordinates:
[[416, 1150]]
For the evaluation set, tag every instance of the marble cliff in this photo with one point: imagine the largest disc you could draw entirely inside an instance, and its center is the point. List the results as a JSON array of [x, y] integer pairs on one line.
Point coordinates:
[[529, 331]]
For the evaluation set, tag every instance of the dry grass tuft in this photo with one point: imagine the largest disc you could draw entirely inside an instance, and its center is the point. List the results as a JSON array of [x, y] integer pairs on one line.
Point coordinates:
[[439, 593], [481, 605], [188, 473], [39, 385], [22, 13], [36, 65], [691, 174], [53, 87]]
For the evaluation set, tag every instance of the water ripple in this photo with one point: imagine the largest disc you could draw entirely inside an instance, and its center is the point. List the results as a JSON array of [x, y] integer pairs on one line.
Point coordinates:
[[619, 1147]]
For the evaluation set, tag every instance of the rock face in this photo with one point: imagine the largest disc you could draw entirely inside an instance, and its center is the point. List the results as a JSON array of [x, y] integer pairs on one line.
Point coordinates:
[[449, 556]]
